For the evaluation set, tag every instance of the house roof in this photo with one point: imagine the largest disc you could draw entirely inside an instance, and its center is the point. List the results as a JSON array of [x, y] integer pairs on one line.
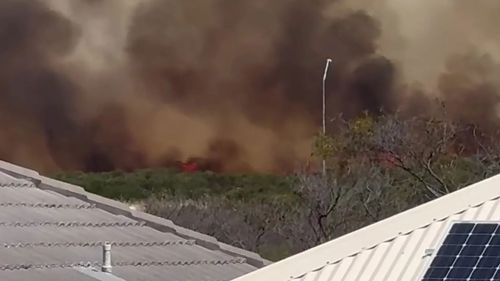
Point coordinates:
[[393, 249], [50, 230]]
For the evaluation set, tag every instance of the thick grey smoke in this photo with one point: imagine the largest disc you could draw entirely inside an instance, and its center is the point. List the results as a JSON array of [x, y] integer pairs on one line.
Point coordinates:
[[105, 84]]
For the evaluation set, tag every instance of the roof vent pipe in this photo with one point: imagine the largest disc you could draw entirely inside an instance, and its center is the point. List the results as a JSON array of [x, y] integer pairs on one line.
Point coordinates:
[[106, 257]]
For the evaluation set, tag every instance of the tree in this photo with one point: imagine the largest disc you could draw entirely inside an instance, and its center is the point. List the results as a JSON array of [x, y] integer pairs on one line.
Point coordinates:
[[378, 166], [320, 195]]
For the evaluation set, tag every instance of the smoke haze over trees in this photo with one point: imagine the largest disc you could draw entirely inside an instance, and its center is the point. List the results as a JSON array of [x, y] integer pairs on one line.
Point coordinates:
[[378, 167], [107, 84]]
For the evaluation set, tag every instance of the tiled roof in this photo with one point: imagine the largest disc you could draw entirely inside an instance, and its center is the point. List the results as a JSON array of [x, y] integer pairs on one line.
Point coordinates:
[[394, 249], [49, 230]]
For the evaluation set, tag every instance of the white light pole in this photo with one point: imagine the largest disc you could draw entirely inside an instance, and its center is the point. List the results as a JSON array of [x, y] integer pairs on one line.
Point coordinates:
[[325, 74]]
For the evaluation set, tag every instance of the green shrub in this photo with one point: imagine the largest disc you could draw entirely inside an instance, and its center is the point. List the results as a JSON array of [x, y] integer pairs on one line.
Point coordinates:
[[163, 182]]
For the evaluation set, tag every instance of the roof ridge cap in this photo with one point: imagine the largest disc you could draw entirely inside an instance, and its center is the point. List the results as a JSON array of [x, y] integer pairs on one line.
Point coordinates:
[[18, 171]]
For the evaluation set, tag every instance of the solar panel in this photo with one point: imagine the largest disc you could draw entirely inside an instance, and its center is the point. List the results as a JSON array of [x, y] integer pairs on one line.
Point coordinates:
[[470, 252]]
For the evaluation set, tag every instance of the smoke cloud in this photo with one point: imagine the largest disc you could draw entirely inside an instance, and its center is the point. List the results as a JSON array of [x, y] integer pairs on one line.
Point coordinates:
[[124, 84]]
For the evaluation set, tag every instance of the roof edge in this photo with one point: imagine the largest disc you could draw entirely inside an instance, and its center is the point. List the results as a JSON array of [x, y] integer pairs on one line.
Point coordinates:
[[98, 275], [385, 230], [18, 171], [118, 208]]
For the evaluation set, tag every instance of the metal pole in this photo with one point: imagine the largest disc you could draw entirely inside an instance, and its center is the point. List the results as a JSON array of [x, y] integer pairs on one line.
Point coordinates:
[[325, 74]]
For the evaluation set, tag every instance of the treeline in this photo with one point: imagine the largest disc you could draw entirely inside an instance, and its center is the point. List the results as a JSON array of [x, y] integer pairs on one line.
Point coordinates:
[[377, 167], [147, 183]]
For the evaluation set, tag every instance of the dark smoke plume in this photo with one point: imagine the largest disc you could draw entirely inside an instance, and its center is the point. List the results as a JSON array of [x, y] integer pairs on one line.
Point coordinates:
[[35, 98], [234, 85]]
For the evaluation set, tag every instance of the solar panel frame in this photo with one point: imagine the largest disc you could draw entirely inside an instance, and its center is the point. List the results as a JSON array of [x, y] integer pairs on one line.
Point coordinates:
[[429, 258], [445, 232]]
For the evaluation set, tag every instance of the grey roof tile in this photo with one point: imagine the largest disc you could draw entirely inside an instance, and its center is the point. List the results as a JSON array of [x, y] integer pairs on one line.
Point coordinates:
[[52, 274], [48, 227]]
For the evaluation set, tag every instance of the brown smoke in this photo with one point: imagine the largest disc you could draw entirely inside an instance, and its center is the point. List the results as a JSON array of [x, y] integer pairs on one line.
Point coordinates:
[[107, 84]]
